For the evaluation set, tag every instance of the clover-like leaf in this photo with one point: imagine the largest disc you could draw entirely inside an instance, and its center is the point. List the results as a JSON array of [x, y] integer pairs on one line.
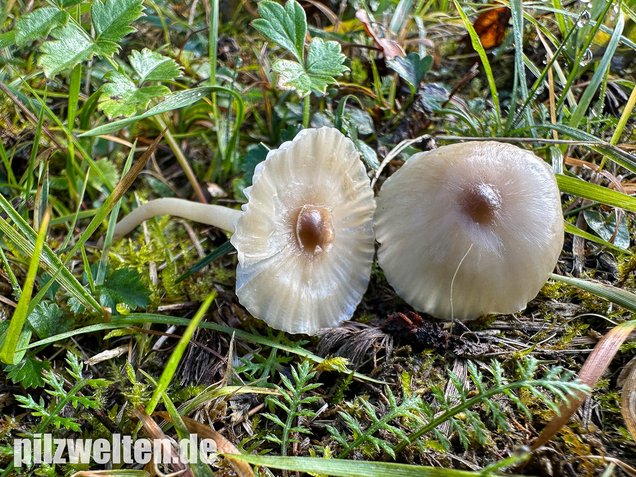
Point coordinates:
[[286, 26], [152, 66], [411, 68], [121, 96]]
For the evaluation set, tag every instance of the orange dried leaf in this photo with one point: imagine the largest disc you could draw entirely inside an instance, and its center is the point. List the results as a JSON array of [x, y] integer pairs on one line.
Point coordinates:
[[628, 397], [491, 26], [223, 445], [389, 47]]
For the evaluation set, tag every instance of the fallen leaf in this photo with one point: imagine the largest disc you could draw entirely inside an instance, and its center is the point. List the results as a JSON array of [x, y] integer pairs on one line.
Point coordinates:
[[154, 432], [389, 47], [491, 26], [628, 396], [223, 445], [593, 368]]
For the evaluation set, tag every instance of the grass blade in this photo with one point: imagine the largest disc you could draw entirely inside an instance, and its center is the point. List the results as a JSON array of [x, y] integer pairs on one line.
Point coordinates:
[[618, 296], [591, 371], [219, 252], [350, 468], [177, 353], [620, 157], [597, 193], [7, 353], [476, 42], [24, 237], [144, 318], [601, 70], [574, 230], [516, 9], [177, 100]]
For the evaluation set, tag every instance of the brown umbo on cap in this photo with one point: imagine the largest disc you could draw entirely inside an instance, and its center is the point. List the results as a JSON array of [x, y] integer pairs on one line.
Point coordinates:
[[305, 239], [469, 229]]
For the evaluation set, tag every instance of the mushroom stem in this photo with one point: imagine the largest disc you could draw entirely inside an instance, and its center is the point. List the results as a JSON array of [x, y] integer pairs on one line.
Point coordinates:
[[216, 215]]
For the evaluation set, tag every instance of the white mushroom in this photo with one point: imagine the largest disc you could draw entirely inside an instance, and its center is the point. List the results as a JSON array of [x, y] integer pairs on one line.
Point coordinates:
[[469, 229], [305, 237]]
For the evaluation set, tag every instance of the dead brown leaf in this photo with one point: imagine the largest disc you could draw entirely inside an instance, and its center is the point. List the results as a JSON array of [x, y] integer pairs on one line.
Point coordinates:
[[223, 445], [628, 397], [389, 47], [592, 370], [154, 432], [491, 26]]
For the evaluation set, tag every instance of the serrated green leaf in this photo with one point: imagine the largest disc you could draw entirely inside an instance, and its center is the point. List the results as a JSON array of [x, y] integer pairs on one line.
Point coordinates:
[[38, 23], [121, 97], [292, 76], [176, 100], [123, 286], [106, 169], [112, 18], [325, 61], [27, 372], [71, 46], [411, 68], [48, 319], [152, 66], [286, 27]]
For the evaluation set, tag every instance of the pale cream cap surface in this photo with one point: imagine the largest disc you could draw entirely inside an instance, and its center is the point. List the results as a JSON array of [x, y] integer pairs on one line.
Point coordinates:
[[469, 229], [296, 289]]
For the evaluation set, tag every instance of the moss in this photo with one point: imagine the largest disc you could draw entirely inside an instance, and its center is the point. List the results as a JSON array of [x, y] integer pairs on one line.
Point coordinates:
[[556, 290], [579, 448], [185, 393]]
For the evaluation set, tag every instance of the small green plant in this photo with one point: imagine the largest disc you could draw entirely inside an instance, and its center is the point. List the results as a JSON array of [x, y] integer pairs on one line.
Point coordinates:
[[256, 367], [389, 422], [73, 43], [292, 400], [464, 412], [120, 290], [51, 413], [125, 96], [306, 73]]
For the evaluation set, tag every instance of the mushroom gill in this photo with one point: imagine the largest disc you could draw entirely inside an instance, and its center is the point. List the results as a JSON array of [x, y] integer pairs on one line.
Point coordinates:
[[305, 239]]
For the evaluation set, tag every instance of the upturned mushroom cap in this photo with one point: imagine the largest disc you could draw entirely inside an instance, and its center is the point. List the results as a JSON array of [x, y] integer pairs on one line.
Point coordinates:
[[305, 239], [469, 229]]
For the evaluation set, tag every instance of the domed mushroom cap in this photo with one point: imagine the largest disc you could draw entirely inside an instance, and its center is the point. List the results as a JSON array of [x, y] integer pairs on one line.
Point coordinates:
[[305, 239], [469, 229]]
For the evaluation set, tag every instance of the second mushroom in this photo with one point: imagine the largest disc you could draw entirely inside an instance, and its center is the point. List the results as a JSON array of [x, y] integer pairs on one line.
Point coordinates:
[[469, 229]]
